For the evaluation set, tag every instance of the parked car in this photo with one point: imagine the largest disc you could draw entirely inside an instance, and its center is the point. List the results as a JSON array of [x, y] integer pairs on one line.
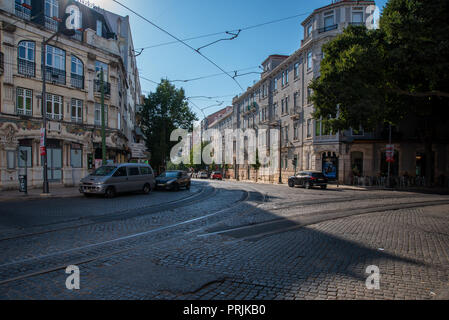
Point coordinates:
[[173, 180], [216, 175], [308, 179], [110, 180], [203, 175]]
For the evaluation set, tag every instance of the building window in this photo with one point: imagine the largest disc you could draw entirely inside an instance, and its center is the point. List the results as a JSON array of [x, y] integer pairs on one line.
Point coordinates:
[[98, 115], [77, 73], [23, 9], [296, 131], [286, 104], [11, 159], [55, 65], [296, 70], [309, 128], [76, 156], [26, 58], [283, 78], [77, 110], [286, 76], [309, 95], [98, 67], [309, 30], [275, 110], [309, 60], [318, 128], [52, 8], [99, 28], [54, 107], [357, 18], [328, 21], [275, 83], [24, 102], [51, 12]]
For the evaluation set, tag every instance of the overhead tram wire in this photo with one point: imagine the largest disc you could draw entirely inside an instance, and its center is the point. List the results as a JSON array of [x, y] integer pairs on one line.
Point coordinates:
[[181, 41], [227, 31]]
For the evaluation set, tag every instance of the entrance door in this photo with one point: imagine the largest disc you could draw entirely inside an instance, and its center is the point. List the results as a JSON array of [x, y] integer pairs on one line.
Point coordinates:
[[54, 160]]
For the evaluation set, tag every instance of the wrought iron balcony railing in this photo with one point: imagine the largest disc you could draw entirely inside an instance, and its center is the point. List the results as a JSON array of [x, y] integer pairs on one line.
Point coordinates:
[[26, 68], [328, 28], [24, 112], [51, 23], [356, 23], [106, 85], [77, 81], [23, 12], [78, 36], [56, 117], [55, 75]]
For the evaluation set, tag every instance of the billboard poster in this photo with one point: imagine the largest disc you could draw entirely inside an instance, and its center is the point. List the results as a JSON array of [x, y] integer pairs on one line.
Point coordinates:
[[390, 153], [330, 167]]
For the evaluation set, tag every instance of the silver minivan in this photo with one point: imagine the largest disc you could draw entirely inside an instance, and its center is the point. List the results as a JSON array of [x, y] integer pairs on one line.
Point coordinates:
[[109, 180]]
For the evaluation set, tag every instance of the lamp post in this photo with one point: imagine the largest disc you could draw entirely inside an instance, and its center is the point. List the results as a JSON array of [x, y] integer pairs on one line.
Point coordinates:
[[67, 32]]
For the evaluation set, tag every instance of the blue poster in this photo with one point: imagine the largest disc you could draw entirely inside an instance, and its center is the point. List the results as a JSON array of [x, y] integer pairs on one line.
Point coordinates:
[[330, 168]]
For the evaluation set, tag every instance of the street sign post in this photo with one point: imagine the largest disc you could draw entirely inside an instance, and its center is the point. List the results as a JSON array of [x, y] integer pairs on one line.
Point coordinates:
[[23, 179], [390, 153]]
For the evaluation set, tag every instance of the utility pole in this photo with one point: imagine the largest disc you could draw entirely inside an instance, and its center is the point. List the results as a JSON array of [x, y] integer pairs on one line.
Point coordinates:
[[103, 120], [280, 152], [46, 189]]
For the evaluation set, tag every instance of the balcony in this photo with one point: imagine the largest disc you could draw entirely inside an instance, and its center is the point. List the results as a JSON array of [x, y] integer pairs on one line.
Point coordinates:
[[23, 11], [26, 68], [24, 112], [2, 64], [328, 28], [77, 81], [51, 23], [56, 117], [78, 35], [356, 24], [106, 86], [77, 119], [55, 75]]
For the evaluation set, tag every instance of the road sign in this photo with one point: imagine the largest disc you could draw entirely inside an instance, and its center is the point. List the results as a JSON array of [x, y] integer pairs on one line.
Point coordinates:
[[390, 153]]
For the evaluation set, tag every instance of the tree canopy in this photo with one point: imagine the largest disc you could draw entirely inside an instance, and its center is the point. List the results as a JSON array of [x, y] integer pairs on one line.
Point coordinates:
[[371, 77], [164, 110]]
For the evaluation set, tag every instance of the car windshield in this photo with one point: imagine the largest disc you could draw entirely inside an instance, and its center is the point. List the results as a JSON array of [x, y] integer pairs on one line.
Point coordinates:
[[169, 174], [104, 171]]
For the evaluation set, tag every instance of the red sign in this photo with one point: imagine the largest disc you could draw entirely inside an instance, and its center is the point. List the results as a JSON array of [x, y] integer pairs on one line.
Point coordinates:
[[390, 153], [43, 151]]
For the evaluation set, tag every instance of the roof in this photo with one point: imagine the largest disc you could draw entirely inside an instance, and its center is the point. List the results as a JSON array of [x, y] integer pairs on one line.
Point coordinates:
[[215, 116], [275, 56]]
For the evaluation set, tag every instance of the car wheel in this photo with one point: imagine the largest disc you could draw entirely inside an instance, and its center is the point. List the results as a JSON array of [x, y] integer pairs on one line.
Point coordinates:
[[146, 189], [307, 185], [110, 193], [291, 184]]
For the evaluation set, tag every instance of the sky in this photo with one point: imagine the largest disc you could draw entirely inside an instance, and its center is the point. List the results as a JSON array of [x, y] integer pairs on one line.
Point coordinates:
[[186, 19]]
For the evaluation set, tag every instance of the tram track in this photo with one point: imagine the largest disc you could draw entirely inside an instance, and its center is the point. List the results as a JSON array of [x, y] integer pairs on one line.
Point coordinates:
[[26, 268], [92, 220]]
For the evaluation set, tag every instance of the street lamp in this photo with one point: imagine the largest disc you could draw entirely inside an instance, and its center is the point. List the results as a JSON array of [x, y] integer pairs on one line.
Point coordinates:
[[69, 33]]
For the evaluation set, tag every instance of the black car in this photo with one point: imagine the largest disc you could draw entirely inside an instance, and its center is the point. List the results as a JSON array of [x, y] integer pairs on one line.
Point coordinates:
[[308, 179], [173, 180]]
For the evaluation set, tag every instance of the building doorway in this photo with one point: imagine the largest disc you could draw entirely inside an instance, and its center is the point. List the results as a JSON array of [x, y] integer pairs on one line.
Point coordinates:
[[357, 163], [421, 166], [54, 160]]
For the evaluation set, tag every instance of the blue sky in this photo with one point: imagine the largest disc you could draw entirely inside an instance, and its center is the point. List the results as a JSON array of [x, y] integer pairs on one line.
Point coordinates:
[[192, 18]]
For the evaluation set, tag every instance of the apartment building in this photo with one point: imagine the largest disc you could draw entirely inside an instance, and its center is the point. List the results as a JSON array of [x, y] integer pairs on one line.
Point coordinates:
[[281, 100], [73, 100]]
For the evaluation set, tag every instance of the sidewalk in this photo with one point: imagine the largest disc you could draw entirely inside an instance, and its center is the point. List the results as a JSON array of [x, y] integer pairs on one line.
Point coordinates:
[[334, 186], [36, 194]]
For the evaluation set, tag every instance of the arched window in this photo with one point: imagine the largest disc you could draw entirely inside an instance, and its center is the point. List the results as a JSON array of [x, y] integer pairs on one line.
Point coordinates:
[[77, 73], [26, 58]]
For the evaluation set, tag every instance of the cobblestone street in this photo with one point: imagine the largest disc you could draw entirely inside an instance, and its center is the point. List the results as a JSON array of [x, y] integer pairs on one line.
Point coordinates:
[[228, 240]]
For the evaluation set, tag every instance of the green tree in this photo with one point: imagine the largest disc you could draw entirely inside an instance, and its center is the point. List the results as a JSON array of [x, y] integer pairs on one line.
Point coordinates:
[[256, 166], [164, 110], [395, 73]]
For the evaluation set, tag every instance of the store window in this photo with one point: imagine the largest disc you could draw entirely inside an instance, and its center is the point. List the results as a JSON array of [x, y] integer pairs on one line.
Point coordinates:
[[25, 149]]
